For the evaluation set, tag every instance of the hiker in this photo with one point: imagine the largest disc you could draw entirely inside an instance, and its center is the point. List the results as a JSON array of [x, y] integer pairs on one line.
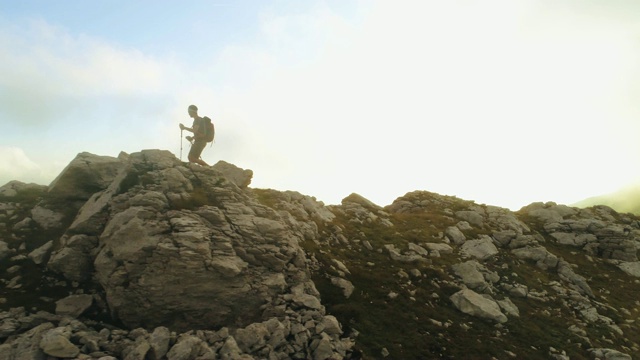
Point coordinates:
[[198, 138]]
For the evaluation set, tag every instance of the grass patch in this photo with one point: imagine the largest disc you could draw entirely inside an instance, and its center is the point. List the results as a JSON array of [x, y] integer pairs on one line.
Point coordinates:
[[422, 323]]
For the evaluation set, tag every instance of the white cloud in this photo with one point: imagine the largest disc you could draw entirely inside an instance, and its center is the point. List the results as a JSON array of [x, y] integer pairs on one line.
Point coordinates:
[[65, 93], [46, 72], [16, 165]]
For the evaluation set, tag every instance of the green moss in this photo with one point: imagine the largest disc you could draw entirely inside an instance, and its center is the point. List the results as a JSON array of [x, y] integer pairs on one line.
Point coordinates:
[[197, 198], [267, 197], [132, 179], [27, 197]]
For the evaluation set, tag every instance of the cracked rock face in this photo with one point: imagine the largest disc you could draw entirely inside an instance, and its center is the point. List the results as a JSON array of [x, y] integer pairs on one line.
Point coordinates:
[[164, 259]]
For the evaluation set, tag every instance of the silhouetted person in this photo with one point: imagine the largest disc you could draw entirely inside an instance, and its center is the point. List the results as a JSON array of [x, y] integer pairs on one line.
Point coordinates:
[[198, 138]]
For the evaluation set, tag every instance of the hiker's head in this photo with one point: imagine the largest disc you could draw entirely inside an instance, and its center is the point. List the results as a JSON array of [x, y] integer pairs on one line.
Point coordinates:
[[193, 110]]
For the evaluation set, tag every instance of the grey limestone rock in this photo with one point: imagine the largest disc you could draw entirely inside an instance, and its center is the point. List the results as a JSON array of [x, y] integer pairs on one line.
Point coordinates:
[[439, 247], [27, 345], [74, 305], [609, 354], [472, 217], [187, 347], [470, 275], [230, 349], [455, 235], [137, 350], [72, 263], [41, 254], [344, 284], [46, 218], [418, 249], [159, 341], [504, 219], [240, 177], [566, 273], [542, 257], [55, 342], [509, 307], [549, 212], [406, 258], [474, 304], [631, 268], [481, 249], [252, 337], [504, 237], [5, 251]]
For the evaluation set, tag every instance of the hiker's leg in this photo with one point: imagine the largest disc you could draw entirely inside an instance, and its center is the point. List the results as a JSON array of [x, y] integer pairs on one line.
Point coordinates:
[[201, 162], [195, 160], [196, 150], [192, 157]]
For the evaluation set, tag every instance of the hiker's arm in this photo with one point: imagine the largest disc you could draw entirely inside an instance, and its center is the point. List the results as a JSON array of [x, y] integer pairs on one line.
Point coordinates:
[[182, 127]]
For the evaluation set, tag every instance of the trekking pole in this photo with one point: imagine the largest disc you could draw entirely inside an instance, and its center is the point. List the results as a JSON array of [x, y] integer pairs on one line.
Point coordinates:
[[180, 144]]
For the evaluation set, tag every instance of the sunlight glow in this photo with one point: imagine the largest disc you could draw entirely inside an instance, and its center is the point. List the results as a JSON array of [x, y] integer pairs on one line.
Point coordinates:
[[502, 102]]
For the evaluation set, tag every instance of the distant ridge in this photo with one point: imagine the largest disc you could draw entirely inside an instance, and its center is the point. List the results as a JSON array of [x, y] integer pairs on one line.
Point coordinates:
[[626, 200]]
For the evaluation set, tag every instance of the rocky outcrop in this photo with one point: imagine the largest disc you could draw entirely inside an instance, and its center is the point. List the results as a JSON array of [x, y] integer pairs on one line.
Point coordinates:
[[36, 336], [160, 222], [184, 247]]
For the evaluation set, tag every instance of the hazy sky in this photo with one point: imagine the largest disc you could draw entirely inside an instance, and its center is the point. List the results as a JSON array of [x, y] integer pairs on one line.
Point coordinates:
[[502, 102]]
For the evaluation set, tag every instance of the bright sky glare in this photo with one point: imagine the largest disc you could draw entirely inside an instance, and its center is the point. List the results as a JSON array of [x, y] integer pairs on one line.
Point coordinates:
[[505, 102]]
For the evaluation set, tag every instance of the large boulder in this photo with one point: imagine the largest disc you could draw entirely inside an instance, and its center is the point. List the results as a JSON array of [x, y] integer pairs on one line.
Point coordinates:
[[5, 251], [74, 305], [542, 257], [481, 249], [56, 343], [240, 177], [46, 218], [41, 254], [472, 217], [184, 247], [85, 175], [454, 235], [74, 264], [474, 275], [548, 212], [631, 268], [474, 304]]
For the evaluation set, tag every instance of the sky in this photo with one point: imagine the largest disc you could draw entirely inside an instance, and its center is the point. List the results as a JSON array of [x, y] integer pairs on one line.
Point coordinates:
[[503, 102]]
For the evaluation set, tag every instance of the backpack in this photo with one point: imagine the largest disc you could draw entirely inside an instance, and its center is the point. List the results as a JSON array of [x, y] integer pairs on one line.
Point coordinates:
[[209, 130]]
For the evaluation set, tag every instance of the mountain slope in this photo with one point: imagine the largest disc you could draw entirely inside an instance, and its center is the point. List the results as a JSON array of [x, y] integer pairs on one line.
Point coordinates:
[[626, 200], [145, 257], [406, 263]]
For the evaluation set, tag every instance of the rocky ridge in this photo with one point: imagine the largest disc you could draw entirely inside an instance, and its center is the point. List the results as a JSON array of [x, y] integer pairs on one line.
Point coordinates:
[[145, 257]]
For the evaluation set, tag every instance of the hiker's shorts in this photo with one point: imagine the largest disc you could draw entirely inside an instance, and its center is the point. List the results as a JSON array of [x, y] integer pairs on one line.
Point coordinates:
[[196, 148]]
